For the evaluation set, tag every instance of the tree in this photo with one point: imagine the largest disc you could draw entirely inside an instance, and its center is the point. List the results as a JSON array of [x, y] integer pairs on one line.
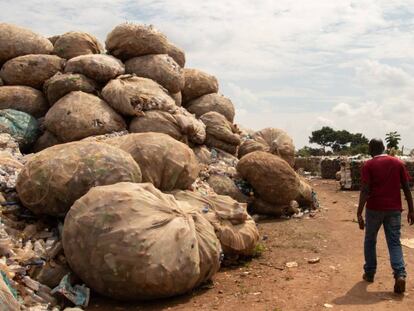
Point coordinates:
[[392, 139], [323, 137], [341, 141]]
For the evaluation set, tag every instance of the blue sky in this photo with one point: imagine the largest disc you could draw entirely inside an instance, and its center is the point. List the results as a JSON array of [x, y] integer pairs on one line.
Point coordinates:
[[296, 65]]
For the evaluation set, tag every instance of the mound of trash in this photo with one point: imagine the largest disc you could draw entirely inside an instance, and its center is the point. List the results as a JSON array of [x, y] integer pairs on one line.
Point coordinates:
[[134, 179]]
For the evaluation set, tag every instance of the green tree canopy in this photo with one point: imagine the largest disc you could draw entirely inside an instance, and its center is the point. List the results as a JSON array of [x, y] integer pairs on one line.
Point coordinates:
[[339, 140], [393, 140]]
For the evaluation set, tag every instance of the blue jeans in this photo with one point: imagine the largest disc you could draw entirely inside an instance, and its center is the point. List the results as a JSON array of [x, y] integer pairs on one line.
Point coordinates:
[[392, 228]]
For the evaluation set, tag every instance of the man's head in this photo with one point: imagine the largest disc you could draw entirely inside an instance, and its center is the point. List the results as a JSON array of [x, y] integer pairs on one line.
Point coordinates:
[[376, 147]]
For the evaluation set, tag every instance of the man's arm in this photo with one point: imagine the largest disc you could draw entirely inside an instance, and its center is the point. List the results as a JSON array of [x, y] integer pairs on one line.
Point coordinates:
[[363, 198], [409, 198]]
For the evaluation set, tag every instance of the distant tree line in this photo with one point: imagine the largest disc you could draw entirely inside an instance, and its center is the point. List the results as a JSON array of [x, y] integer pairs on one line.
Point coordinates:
[[343, 142]]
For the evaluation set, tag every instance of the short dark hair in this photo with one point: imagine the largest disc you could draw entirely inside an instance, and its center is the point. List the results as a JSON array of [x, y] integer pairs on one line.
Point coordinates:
[[376, 147]]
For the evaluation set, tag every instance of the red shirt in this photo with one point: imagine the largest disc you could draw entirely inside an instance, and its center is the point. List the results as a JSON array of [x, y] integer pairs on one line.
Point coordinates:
[[384, 175]]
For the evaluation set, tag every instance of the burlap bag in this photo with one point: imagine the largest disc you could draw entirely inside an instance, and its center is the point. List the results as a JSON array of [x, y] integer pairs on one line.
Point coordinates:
[[31, 70], [197, 83], [54, 178], [271, 177], [250, 145], [61, 84], [224, 185], [17, 41], [46, 140], [128, 40], [130, 95], [23, 98], [75, 43], [305, 197], [99, 67], [165, 162], [233, 226], [78, 115], [220, 132], [8, 301], [53, 39], [158, 122], [279, 142], [177, 98], [161, 68], [203, 154], [132, 242], [183, 127], [176, 53], [212, 102], [259, 206]]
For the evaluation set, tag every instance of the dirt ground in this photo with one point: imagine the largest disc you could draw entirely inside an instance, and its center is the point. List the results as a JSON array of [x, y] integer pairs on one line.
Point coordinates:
[[266, 283]]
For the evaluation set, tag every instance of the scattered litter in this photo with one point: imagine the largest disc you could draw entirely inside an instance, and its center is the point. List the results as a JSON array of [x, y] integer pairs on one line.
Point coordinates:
[[314, 260], [78, 295], [292, 264], [408, 243]]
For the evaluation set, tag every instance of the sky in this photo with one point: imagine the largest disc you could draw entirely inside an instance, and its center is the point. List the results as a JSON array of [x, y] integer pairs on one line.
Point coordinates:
[[291, 64]]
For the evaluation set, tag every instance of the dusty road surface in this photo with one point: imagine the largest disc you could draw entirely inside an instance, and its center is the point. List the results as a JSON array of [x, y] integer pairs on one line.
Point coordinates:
[[266, 283]]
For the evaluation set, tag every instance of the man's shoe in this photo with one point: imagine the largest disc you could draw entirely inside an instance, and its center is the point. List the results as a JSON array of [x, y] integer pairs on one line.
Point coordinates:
[[369, 278], [399, 286]]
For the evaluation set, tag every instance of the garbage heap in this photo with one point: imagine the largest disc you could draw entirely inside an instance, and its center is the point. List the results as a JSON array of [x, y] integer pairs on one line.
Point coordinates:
[[350, 173], [136, 178]]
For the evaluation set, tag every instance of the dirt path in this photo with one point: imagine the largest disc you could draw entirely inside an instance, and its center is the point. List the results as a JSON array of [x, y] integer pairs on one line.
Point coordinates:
[[266, 284]]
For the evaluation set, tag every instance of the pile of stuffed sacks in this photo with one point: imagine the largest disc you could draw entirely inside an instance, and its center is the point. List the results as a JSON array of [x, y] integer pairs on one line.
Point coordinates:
[[122, 172]]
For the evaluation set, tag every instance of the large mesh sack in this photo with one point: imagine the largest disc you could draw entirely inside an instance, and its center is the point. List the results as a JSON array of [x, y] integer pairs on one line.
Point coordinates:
[[127, 40], [158, 122], [78, 115], [203, 154], [279, 142], [75, 43], [180, 125], [212, 102], [8, 301], [99, 67], [221, 133], [53, 39], [160, 68], [198, 83], [329, 167], [177, 98], [250, 145], [23, 98], [132, 242], [305, 197], [31, 70], [271, 177], [224, 185], [17, 41], [130, 95], [260, 206], [165, 162], [176, 53], [61, 84], [235, 229], [54, 178], [46, 140], [21, 126]]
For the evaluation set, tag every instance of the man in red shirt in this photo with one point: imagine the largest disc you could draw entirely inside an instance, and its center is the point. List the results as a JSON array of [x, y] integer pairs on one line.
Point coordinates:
[[382, 178]]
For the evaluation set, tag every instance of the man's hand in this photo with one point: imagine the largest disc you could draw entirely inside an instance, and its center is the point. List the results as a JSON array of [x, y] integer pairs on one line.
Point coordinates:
[[361, 222], [410, 218]]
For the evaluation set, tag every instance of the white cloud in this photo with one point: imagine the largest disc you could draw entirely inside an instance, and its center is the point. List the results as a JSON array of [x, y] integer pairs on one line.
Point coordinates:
[[291, 64]]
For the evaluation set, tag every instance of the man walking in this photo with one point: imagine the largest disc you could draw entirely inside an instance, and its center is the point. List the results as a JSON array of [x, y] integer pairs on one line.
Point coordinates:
[[382, 179]]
